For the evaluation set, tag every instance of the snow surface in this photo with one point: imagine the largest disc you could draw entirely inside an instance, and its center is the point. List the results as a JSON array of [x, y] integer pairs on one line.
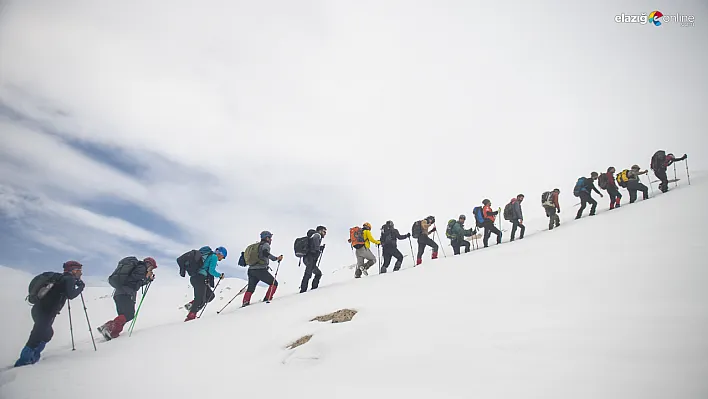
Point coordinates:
[[613, 306]]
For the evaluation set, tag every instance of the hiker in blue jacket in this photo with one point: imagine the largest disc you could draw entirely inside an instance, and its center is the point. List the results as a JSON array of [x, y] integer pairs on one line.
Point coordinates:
[[584, 187], [203, 279]]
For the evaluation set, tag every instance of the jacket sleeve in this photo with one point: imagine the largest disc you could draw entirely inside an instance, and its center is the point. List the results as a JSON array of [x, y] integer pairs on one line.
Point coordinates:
[[370, 237], [316, 243], [487, 212], [73, 287], [398, 235], [518, 213], [210, 265], [138, 276], [555, 201], [265, 252], [592, 186]]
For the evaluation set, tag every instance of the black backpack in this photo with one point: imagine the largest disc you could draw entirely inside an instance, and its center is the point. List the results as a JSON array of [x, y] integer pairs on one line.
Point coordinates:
[[40, 286], [190, 263], [602, 181], [416, 229], [125, 268], [546, 197], [509, 211], [387, 236], [302, 244], [658, 159]]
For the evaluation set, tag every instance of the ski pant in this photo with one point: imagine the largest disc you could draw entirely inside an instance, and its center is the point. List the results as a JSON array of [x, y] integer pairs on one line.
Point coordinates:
[[256, 275], [615, 197], [458, 243], [586, 198], [388, 253], [202, 293], [490, 228], [514, 225], [310, 261], [635, 185], [125, 306], [661, 175], [363, 254], [42, 330], [554, 218], [424, 241]]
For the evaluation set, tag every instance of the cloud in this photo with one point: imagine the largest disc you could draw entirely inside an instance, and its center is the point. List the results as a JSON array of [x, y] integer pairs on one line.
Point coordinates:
[[240, 117]]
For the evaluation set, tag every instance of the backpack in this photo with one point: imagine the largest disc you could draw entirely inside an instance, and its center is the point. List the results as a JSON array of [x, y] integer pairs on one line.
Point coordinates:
[[302, 244], [509, 211], [658, 159], [622, 178], [356, 237], [125, 268], [448, 231], [191, 262], [416, 229], [40, 286], [602, 181], [579, 186], [250, 255], [478, 216], [547, 199], [387, 236]]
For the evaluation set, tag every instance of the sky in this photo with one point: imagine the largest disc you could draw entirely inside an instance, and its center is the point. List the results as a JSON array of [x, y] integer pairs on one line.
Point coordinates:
[[152, 128]]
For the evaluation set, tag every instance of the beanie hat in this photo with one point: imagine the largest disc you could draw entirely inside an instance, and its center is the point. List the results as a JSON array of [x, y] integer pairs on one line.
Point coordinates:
[[150, 262], [72, 265]]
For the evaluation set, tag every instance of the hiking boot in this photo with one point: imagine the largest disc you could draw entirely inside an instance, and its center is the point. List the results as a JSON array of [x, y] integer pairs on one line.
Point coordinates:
[[191, 316], [435, 255], [188, 306], [418, 261], [362, 269], [27, 356], [383, 270], [243, 305], [106, 330]]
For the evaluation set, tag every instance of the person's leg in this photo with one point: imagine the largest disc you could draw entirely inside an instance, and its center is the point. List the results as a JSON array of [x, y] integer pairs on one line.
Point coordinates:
[[522, 231], [514, 225], [265, 276], [399, 259], [370, 258], [359, 261], [198, 281], [253, 280], [496, 231], [632, 194], [583, 203], [387, 255], [465, 244], [309, 270], [593, 205], [487, 233], [429, 241], [455, 244], [550, 212], [611, 193]]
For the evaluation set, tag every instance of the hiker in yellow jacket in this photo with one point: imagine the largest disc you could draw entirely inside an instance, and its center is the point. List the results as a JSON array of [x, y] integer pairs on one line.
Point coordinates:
[[363, 253]]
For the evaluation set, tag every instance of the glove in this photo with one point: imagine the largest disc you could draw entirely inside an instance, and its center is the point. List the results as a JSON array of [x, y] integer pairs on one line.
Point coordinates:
[[601, 196], [221, 277], [558, 211], [80, 284], [280, 258], [434, 229], [408, 235], [322, 247]]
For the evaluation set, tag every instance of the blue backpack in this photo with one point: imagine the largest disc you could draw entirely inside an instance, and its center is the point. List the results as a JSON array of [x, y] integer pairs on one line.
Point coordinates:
[[478, 216], [579, 186]]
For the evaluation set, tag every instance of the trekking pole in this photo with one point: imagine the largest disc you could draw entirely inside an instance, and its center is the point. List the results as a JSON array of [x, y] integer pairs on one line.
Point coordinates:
[[441, 244], [675, 180], [378, 251], [270, 289], [137, 312], [319, 258], [412, 255], [232, 299], [650, 185], [205, 302], [687, 174], [71, 327], [88, 322]]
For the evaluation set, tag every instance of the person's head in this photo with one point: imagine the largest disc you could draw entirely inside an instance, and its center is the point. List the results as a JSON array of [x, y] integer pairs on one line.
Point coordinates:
[[266, 236], [556, 190], [594, 175], [520, 197], [221, 253], [389, 223], [635, 168], [487, 202], [611, 169], [73, 267], [150, 262], [367, 226], [462, 219], [322, 230], [430, 219]]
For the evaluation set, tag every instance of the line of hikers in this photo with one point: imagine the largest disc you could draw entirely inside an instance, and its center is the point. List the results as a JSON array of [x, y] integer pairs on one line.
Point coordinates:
[[49, 291]]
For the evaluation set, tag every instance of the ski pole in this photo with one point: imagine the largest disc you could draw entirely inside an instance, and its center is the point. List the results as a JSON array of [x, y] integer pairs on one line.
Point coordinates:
[[87, 321], [441, 244], [675, 180], [71, 327], [269, 293], [232, 299], [412, 255], [687, 174], [378, 252], [205, 302], [137, 312]]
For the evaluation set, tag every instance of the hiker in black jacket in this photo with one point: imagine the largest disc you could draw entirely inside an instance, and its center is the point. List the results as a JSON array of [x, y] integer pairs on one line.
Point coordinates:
[[586, 195], [310, 260], [517, 218], [130, 275], [258, 271], [389, 241], [68, 286], [660, 161]]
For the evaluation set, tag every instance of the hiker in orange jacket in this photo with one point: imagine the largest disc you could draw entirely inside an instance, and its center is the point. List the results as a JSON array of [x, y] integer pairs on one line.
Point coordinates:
[[489, 217]]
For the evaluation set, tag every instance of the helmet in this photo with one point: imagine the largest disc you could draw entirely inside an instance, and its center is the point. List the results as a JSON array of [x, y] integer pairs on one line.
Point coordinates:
[[367, 226], [463, 217], [150, 262], [635, 167], [266, 234], [72, 265], [222, 251]]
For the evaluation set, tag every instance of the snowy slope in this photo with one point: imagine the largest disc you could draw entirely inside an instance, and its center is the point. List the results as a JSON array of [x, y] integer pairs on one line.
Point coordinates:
[[612, 306]]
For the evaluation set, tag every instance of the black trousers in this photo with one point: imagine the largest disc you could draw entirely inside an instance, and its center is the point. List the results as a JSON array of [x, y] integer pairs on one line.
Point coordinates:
[[125, 305], [457, 244], [635, 185], [490, 228], [310, 261], [254, 276], [42, 330], [586, 198], [202, 293], [661, 175], [614, 193], [388, 253], [424, 241], [514, 225], [554, 218]]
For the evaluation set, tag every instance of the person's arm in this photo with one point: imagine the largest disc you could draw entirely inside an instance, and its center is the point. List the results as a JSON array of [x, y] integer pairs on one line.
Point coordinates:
[[316, 241], [210, 265], [555, 202], [370, 237], [73, 286], [593, 188], [265, 252], [399, 235]]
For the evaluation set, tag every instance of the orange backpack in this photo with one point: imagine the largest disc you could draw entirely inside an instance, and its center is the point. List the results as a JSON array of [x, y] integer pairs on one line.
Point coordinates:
[[356, 237]]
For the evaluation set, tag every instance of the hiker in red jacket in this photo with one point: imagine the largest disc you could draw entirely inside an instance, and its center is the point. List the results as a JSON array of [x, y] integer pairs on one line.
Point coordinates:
[[612, 190], [489, 227]]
